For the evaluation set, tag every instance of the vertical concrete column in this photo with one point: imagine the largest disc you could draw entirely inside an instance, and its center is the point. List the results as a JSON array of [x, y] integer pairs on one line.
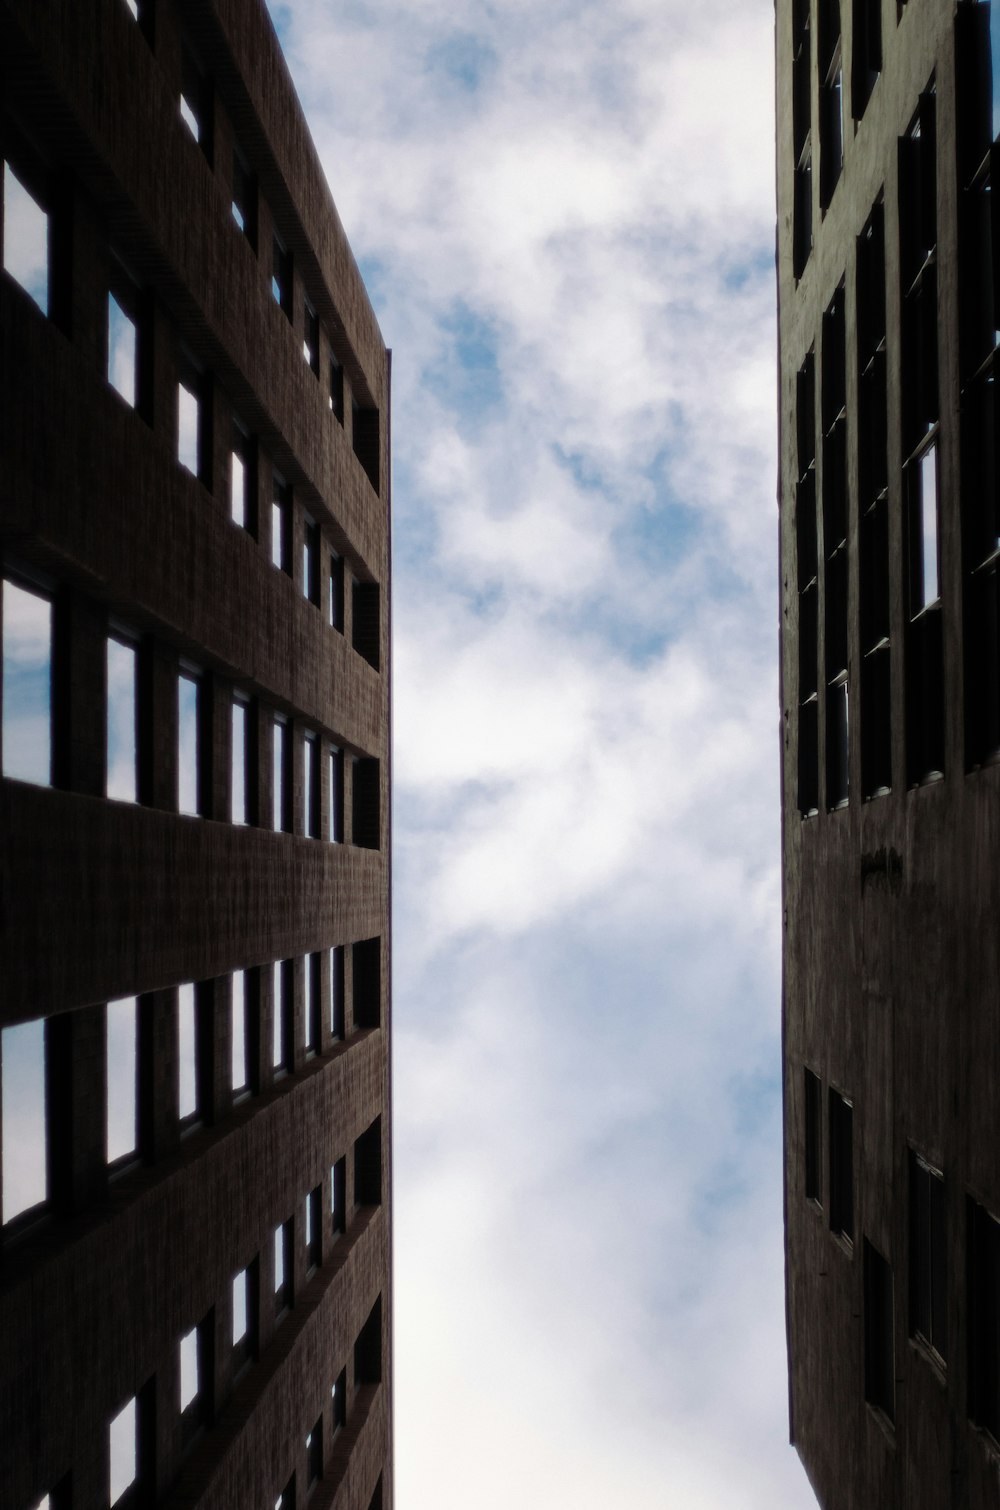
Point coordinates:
[[80, 695], [77, 1090]]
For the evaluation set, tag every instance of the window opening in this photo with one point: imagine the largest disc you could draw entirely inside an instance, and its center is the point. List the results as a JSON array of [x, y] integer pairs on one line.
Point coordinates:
[[282, 1267], [314, 1454], [878, 1301], [281, 775], [984, 1318], [26, 238], [365, 804], [835, 552], [841, 1116], [335, 599], [336, 999], [335, 773], [27, 684], [122, 729], [244, 203], [365, 620], [192, 427], [312, 1003], [239, 786], [239, 1061], [241, 1323], [310, 561], [189, 718], [24, 1128], [123, 351], [241, 477], [313, 1226], [338, 1395], [338, 1197], [336, 398], [189, 1369], [122, 1061], [281, 1055], [368, 1166], [281, 275], [928, 1257], [196, 102], [187, 1053], [813, 1138], [367, 971], [123, 1451], [310, 786], [867, 52], [281, 526], [873, 503], [310, 343], [368, 1349]]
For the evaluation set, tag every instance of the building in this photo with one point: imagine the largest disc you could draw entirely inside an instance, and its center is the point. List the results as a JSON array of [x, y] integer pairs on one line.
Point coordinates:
[[195, 1289], [890, 527]]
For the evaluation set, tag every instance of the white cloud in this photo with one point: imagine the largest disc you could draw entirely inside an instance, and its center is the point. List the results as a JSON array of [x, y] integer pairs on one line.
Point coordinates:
[[567, 216]]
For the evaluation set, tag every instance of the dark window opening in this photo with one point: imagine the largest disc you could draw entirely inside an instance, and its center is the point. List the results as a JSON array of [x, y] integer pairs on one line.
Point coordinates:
[[282, 1016], [314, 1227], [841, 1123], [983, 1280], [867, 53], [335, 785], [336, 397], [873, 503], [880, 1384], [831, 132], [366, 960], [336, 1001], [310, 338], [928, 1257], [836, 585], [313, 1003], [368, 1166], [281, 275], [366, 803], [368, 1349], [338, 1197], [365, 621], [813, 1137], [807, 566], [365, 439], [335, 600], [314, 1454], [281, 525], [338, 1395], [310, 561], [802, 230], [196, 102], [311, 793], [244, 201]]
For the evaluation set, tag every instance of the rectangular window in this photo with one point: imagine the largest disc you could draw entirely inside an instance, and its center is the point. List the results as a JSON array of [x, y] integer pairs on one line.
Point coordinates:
[[836, 585], [244, 204], [813, 1138], [310, 561], [365, 440], [123, 1453], [338, 1197], [310, 342], [281, 275], [241, 478], [187, 1053], [314, 1226], [241, 1308], [365, 626], [314, 1454], [336, 1001], [123, 349], [928, 1257], [239, 786], [189, 1369], [26, 238], [27, 684], [335, 773], [281, 1023], [281, 526], [802, 230], [335, 597], [873, 505], [366, 959], [923, 531], [286, 1499], [841, 1118], [189, 783], [122, 1061], [122, 727], [311, 979], [365, 803], [338, 1396], [368, 1349], [368, 1166], [239, 1061], [880, 1385], [336, 389], [281, 775], [310, 786], [831, 126], [196, 102], [24, 1130], [984, 1318], [867, 52], [282, 1267]]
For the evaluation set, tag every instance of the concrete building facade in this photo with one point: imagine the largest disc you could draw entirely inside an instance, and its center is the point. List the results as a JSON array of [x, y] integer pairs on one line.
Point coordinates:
[[888, 257], [195, 1293]]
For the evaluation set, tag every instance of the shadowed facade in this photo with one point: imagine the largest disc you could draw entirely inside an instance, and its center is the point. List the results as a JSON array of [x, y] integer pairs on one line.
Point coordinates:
[[195, 1296]]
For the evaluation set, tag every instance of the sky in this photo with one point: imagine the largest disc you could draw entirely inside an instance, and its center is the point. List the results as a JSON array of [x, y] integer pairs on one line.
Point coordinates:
[[565, 217]]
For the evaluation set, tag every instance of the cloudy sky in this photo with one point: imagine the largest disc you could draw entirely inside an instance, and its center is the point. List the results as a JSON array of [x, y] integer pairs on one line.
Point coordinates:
[[565, 216]]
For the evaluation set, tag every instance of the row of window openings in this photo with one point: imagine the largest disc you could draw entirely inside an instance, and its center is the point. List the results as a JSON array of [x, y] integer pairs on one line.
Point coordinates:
[[130, 1432], [28, 739], [919, 338], [27, 257], [25, 1072], [927, 1296], [867, 64]]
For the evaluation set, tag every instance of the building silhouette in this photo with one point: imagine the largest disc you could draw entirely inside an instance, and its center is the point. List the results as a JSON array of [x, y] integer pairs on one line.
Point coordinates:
[[890, 541], [194, 820]]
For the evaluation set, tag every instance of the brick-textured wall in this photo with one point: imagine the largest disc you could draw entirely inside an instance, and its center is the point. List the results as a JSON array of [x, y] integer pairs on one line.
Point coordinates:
[[102, 899]]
